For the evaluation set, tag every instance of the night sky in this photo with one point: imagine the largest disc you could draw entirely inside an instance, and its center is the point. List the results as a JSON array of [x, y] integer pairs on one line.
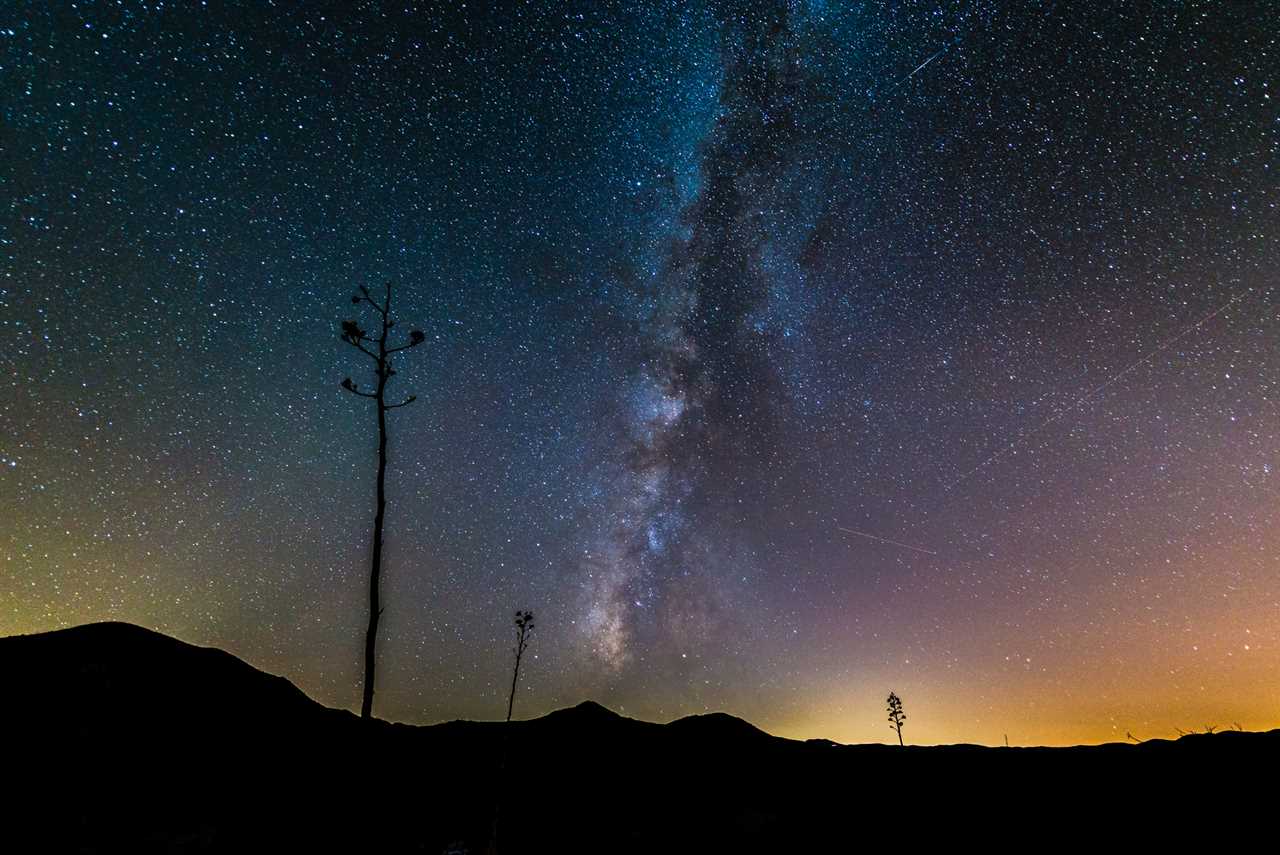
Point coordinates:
[[778, 355]]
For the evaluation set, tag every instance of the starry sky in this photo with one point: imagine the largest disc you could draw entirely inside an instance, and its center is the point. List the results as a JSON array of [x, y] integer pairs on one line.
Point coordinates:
[[778, 355]]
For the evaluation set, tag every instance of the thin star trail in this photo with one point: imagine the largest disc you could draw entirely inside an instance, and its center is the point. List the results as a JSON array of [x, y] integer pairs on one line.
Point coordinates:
[[1092, 393], [887, 540], [918, 68]]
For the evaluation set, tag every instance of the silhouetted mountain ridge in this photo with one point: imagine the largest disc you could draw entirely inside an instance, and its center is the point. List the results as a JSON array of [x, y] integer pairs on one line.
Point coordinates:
[[720, 725], [127, 669], [156, 743], [585, 711]]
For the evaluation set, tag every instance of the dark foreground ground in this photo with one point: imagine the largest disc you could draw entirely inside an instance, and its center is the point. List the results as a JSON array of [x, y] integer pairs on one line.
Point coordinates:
[[123, 740]]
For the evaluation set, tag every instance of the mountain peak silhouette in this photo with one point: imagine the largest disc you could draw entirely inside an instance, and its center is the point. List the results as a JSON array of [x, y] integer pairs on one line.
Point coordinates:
[[720, 724], [588, 710]]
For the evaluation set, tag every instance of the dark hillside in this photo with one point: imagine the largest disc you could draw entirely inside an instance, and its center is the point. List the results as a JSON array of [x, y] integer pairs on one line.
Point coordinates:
[[128, 740]]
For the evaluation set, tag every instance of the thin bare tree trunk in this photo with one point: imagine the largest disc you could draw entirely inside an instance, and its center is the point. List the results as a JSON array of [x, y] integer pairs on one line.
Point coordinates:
[[375, 575], [511, 701], [524, 626], [353, 335]]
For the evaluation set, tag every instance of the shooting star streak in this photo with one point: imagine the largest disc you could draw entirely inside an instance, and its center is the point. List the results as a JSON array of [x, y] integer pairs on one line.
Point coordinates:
[[873, 93], [922, 65], [886, 540], [1001, 452]]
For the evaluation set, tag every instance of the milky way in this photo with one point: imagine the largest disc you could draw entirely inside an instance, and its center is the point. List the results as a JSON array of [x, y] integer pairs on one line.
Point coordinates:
[[700, 406], [779, 355]]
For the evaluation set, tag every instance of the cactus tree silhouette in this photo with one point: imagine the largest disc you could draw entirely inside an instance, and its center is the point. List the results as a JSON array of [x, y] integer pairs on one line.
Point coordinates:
[[380, 350], [896, 718], [524, 626]]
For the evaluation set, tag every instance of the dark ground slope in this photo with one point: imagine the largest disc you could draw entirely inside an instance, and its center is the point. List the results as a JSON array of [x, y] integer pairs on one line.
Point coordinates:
[[121, 739]]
